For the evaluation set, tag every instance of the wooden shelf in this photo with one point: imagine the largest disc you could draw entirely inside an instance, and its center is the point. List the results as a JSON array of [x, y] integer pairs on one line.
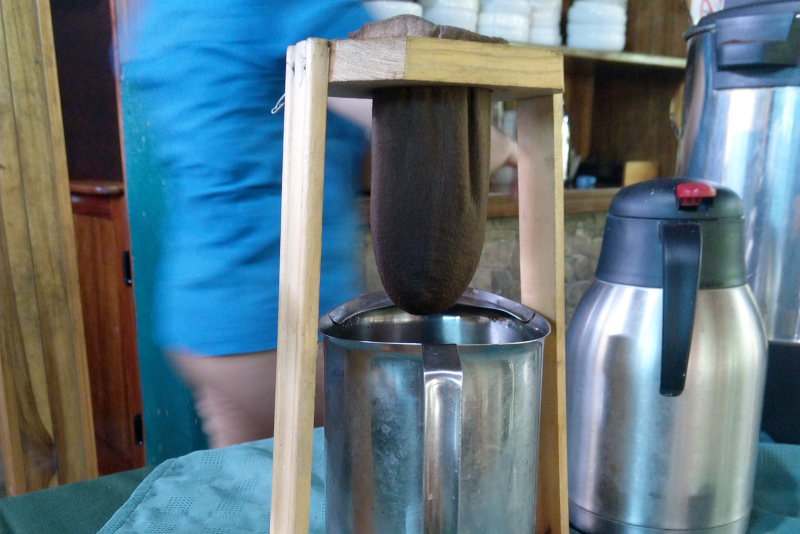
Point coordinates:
[[575, 201], [588, 200], [503, 205], [579, 56], [101, 188], [627, 58]]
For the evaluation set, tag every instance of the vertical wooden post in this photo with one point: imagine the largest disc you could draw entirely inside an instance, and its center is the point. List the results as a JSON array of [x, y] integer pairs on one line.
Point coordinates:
[[541, 241], [45, 407], [298, 308]]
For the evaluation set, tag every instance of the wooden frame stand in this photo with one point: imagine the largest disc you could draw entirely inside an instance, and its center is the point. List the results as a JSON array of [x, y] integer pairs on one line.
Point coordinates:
[[315, 69]]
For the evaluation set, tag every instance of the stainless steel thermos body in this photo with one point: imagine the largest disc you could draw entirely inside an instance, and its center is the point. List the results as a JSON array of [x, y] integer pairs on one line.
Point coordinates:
[[639, 460]]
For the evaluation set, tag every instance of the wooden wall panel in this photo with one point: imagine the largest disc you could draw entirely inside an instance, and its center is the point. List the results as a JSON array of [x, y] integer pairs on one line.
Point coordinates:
[[578, 100], [656, 27], [47, 431], [631, 118]]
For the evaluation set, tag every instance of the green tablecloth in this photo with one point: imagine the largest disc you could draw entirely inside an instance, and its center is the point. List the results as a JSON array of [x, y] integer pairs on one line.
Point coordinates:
[[82, 507], [228, 490]]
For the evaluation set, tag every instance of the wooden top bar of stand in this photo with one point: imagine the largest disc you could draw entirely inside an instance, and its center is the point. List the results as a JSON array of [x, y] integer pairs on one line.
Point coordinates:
[[357, 66]]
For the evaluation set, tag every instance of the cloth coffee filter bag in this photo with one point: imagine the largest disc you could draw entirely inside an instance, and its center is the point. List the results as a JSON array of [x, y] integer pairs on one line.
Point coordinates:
[[430, 179]]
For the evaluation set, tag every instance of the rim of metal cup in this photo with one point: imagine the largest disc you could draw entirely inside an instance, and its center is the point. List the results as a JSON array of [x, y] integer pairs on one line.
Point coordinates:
[[472, 298]]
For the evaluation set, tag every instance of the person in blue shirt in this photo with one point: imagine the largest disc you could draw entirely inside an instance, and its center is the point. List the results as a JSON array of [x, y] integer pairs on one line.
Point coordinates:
[[209, 72]]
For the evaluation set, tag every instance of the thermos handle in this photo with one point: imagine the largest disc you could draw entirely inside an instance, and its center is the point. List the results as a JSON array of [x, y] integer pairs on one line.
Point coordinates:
[[682, 245], [443, 379]]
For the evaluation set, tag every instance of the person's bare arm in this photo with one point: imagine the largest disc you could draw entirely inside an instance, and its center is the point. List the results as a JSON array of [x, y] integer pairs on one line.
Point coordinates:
[[503, 150], [356, 110]]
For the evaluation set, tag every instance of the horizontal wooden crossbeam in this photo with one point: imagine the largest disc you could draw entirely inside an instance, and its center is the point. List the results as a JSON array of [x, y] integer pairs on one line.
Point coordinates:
[[357, 66]]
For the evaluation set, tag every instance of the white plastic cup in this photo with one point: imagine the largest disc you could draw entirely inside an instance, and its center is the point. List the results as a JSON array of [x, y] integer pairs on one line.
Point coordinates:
[[597, 12], [544, 17], [595, 29], [545, 40], [505, 32], [510, 20], [461, 18], [545, 35], [468, 5], [595, 38], [516, 7], [381, 9], [546, 4], [621, 3], [545, 29]]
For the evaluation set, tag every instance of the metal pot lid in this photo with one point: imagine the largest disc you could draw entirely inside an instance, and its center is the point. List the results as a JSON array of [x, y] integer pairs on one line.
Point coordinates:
[[751, 46], [755, 15]]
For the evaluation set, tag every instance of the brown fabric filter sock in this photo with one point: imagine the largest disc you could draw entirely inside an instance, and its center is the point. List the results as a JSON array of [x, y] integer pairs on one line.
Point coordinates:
[[430, 183], [430, 178]]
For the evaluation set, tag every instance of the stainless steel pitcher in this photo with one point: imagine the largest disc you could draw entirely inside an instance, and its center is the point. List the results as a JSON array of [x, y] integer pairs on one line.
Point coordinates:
[[741, 129], [432, 421]]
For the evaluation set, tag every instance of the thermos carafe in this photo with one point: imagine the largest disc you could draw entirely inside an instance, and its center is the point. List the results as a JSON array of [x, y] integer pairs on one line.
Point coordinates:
[[665, 365], [432, 421]]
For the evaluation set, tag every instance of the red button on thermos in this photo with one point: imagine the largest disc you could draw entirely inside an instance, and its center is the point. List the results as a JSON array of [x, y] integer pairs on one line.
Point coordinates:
[[692, 194]]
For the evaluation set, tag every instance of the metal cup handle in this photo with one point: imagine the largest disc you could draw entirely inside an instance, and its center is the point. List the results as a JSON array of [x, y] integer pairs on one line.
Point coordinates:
[[443, 380]]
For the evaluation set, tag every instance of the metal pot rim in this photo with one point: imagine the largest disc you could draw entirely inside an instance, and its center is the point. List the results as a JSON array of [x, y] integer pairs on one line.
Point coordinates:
[[473, 298]]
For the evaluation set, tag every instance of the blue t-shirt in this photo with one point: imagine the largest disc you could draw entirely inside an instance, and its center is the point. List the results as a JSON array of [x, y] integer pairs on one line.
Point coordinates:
[[209, 72]]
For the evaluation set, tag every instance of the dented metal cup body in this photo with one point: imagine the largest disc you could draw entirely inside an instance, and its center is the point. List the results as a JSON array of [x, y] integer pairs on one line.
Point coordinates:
[[432, 421]]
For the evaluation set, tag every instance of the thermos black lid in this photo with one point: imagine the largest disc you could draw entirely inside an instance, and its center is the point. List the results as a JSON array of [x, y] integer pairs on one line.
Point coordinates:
[[676, 199], [639, 223]]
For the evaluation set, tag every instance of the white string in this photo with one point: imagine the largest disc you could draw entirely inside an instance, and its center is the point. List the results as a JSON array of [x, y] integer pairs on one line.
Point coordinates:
[[279, 104]]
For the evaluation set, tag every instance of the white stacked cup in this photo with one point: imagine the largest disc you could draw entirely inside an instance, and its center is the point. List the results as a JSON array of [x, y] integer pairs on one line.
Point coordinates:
[[386, 9], [597, 24], [459, 13], [509, 19], [545, 28]]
